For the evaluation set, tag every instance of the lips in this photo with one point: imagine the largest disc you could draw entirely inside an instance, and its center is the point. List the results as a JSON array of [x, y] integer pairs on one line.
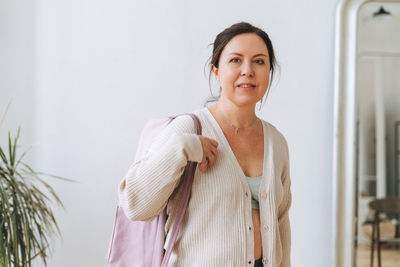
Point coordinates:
[[246, 85]]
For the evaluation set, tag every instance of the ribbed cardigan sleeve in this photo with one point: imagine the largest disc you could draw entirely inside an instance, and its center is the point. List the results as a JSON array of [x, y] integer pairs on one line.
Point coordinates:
[[149, 182], [283, 211]]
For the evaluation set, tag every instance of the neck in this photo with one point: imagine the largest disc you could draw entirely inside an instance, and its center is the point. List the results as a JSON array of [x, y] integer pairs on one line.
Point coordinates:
[[240, 116]]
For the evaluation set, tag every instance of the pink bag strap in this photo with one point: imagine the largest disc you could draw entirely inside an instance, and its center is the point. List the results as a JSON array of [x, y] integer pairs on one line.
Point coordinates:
[[187, 187]]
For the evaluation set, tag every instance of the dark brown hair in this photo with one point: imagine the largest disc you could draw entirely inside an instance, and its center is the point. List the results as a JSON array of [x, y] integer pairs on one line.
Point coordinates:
[[222, 40]]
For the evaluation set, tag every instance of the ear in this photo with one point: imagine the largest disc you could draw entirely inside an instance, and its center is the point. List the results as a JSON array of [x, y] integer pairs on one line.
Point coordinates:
[[215, 71]]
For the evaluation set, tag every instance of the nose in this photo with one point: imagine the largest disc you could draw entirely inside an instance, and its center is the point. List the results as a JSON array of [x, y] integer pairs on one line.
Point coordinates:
[[247, 69]]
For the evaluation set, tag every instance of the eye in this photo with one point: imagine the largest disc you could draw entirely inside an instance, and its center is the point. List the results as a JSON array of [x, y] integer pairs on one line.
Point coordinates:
[[259, 61], [234, 60]]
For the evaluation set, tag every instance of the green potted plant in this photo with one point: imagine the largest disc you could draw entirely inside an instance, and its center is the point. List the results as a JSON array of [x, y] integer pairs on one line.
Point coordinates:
[[26, 218]]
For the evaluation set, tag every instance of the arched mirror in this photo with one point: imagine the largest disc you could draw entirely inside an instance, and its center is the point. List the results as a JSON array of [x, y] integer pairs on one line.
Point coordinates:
[[367, 134]]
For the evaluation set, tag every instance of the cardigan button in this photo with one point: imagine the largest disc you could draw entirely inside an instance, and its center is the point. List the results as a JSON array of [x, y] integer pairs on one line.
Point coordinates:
[[265, 260], [266, 228], [263, 195], [249, 262]]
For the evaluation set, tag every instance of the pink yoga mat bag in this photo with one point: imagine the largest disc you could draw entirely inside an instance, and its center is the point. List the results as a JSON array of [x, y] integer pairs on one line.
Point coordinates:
[[140, 243]]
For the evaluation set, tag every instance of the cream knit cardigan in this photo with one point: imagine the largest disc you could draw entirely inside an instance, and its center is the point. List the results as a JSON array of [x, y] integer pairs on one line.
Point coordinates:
[[217, 229]]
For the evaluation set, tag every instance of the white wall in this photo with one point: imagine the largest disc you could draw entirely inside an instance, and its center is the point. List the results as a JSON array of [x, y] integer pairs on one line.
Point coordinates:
[[17, 69], [101, 69]]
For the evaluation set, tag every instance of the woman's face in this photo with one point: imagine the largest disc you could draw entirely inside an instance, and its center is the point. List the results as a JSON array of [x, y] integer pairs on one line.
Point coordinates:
[[243, 71]]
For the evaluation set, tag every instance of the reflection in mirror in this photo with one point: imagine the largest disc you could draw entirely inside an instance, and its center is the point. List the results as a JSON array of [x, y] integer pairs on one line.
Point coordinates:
[[377, 238]]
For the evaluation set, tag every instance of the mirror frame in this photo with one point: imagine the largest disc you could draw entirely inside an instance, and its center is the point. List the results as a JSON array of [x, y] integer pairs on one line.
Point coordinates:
[[344, 131]]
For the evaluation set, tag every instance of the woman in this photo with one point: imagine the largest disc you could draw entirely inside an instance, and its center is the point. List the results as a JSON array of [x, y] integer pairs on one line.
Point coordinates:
[[238, 211]]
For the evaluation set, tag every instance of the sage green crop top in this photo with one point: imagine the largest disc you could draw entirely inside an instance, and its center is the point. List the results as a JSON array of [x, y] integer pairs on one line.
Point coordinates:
[[254, 185]]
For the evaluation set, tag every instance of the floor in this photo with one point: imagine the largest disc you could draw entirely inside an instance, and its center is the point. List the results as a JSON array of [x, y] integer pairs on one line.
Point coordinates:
[[390, 257], [390, 254]]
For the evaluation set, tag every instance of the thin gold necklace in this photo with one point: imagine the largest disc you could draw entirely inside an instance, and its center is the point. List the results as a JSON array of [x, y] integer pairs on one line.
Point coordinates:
[[236, 129]]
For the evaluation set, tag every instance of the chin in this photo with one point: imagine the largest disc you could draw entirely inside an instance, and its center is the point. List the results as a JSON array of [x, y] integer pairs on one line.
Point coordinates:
[[246, 102]]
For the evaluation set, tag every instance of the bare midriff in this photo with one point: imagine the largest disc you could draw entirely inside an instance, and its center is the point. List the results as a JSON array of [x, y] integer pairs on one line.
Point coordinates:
[[255, 214]]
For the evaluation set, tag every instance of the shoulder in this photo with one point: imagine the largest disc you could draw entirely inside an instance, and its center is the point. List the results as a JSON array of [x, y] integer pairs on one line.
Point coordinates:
[[183, 122], [276, 135]]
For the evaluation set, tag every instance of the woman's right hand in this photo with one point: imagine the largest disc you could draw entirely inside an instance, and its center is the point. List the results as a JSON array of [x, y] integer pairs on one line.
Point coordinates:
[[210, 152]]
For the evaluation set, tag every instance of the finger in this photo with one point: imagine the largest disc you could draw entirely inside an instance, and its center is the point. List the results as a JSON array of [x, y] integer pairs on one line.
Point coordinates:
[[202, 168], [212, 149], [212, 153], [205, 154], [203, 165], [203, 160], [210, 141], [206, 164], [211, 161], [213, 142]]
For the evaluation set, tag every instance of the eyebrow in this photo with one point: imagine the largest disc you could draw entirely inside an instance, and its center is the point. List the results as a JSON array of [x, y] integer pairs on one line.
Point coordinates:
[[253, 56]]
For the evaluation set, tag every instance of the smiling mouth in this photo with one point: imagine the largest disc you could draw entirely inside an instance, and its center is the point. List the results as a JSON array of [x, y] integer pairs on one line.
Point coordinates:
[[246, 86]]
